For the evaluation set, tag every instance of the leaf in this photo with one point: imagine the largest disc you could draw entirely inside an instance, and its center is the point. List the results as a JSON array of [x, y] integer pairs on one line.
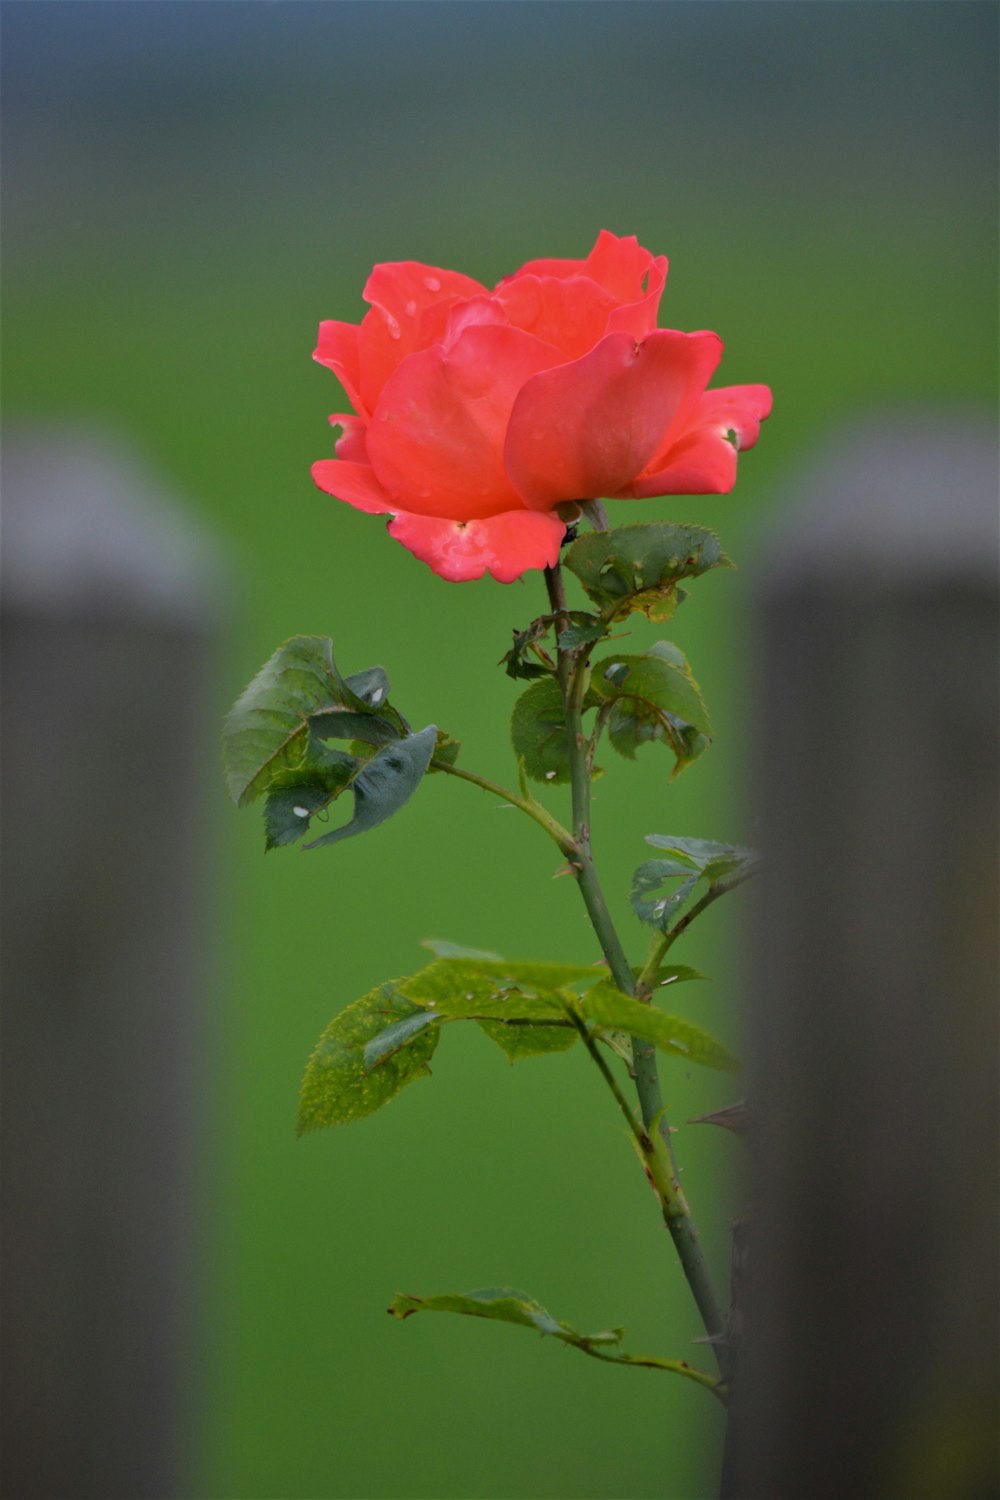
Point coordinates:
[[519, 1040], [522, 661], [338, 1086], [503, 1304], [714, 861], [398, 1035], [640, 567], [538, 732], [269, 730], [511, 1001], [387, 781], [446, 752], [653, 697], [608, 1008], [650, 902], [582, 631], [444, 949], [290, 807], [481, 989]]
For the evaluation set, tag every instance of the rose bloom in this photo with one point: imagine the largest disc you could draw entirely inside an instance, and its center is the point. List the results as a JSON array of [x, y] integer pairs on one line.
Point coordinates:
[[481, 417]]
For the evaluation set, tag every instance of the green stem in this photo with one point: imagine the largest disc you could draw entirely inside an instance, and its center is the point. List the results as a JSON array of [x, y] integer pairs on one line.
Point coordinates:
[[573, 672], [535, 810]]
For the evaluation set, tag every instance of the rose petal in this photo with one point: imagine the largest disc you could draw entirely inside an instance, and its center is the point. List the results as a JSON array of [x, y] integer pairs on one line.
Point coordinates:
[[436, 438], [351, 443], [587, 428], [506, 545], [354, 483], [337, 348], [740, 408], [571, 314], [639, 318], [702, 459], [701, 463], [619, 265], [410, 303]]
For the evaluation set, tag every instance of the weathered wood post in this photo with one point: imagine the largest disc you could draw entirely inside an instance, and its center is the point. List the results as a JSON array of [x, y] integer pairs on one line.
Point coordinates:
[[109, 618], [869, 1366]]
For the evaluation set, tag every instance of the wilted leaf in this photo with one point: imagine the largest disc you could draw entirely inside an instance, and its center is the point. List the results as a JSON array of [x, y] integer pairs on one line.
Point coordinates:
[[640, 567], [505, 1305], [272, 727], [339, 1086], [446, 751], [523, 660], [653, 697], [385, 784]]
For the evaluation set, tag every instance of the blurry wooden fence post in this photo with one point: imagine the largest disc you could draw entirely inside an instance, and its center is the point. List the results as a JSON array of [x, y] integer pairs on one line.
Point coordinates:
[[109, 620], [869, 1368]]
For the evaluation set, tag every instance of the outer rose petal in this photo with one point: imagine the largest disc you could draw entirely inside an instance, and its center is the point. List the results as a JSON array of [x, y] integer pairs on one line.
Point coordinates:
[[739, 408], [702, 459], [410, 305], [337, 348], [436, 439], [505, 545], [354, 483], [588, 428]]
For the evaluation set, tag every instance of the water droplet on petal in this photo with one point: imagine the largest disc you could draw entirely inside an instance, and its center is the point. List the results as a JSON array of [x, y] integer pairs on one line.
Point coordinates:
[[432, 284], [411, 309], [392, 325]]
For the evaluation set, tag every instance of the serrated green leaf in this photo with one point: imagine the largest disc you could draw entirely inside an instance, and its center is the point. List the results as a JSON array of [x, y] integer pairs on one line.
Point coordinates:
[[640, 567], [538, 732], [270, 729], [338, 1086], [607, 1007], [498, 990], [385, 784], [519, 1040], [503, 1304], [653, 697]]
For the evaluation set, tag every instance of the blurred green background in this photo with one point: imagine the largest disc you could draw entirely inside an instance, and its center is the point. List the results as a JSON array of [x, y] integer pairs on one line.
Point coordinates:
[[189, 188]]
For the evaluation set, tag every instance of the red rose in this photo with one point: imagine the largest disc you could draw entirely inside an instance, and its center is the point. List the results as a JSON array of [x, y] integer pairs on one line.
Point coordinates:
[[478, 413]]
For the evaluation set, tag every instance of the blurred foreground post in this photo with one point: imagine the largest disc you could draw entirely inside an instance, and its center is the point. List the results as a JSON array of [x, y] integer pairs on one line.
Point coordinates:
[[869, 1368], [108, 621]]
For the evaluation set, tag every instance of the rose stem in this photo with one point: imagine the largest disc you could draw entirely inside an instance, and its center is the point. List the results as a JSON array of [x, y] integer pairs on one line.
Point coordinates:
[[572, 673]]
